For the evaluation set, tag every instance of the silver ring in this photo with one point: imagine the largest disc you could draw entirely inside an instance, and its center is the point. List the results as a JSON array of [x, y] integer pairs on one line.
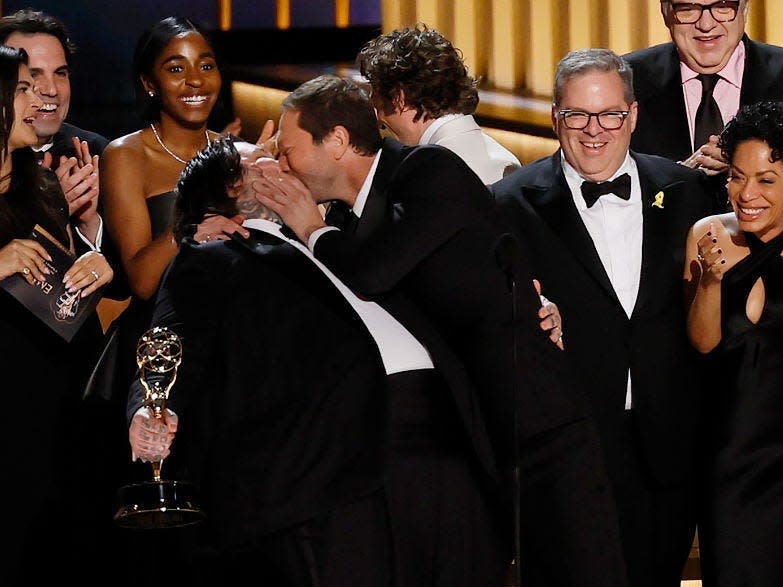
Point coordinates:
[[207, 238], [94, 274], [700, 257], [26, 270]]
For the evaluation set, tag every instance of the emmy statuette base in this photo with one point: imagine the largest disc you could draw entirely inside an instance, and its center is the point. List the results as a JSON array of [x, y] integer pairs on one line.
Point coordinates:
[[158, 504]]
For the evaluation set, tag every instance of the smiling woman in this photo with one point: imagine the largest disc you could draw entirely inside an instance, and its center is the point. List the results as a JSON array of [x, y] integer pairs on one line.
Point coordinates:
[[178, 81], [735, 267]]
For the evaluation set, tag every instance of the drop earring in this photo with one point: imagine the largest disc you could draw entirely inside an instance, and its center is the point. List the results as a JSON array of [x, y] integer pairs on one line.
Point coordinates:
[[151, 94]]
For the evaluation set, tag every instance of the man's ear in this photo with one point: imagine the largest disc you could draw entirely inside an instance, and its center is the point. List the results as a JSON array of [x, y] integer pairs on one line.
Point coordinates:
[[339, 141]]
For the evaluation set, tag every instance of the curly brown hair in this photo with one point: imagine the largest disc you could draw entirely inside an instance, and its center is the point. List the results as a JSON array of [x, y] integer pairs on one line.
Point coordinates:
[[762, 121], [423, 65]]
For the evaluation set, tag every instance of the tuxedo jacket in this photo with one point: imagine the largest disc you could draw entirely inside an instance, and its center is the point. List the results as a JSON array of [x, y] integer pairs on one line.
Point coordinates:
[[600, 338], [483, 154], [280, 393], [662, 123], [428, 232]]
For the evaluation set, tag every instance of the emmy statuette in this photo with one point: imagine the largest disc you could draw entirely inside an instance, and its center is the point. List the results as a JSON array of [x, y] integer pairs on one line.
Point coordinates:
[[160, 503]]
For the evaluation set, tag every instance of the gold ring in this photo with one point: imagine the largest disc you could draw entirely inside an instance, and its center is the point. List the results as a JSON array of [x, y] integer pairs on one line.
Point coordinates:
[[26, 270], [94, 274]]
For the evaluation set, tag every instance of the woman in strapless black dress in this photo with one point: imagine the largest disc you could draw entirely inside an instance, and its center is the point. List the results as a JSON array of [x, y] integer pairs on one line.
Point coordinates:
[[735, 273], [178, 81]]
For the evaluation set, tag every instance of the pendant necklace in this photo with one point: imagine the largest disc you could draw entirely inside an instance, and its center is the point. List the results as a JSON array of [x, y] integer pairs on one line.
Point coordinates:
[[165, 148]]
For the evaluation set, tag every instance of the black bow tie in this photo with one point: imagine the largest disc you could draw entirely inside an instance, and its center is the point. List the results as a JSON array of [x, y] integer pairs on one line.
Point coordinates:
[[619, 186]]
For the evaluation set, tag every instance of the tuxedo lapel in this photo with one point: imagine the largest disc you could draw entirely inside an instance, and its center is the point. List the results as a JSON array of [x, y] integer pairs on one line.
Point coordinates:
[[654, 243], [373, 214], [377, 204], [662, 127], [295, 265], [760, 85], [556, 208]]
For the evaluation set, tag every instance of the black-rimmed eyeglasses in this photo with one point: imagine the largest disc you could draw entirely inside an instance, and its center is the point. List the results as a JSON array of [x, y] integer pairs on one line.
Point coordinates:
[[690, 12], [578, 120]]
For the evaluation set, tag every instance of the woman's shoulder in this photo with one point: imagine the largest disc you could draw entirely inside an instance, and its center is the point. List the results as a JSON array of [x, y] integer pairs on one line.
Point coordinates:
[[721, 222], [127, 150], [129, 143]]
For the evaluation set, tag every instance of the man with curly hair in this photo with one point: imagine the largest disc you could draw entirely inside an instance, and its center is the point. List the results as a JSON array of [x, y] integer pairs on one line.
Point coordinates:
[[422, 92]]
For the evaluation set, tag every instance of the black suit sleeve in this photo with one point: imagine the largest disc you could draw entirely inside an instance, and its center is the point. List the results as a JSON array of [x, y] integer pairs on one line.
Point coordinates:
[[433, 196]]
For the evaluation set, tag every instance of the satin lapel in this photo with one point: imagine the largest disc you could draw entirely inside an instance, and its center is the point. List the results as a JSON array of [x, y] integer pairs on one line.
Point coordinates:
[[373, 214], [298, 268], [665, 110], [654, 240], [760, 85], [556, 208], [376, 207]]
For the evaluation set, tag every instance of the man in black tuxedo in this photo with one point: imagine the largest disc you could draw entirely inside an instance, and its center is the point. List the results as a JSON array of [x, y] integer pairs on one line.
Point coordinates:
[[422, 226], [614, 263], [708, 38], [279, 399]]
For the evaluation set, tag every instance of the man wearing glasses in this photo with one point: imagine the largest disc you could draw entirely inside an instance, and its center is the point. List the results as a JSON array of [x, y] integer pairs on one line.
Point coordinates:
[[606, 227], [688, 89]]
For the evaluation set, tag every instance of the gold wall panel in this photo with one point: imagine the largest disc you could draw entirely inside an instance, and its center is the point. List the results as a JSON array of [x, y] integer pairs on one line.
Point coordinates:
[[524, 39]]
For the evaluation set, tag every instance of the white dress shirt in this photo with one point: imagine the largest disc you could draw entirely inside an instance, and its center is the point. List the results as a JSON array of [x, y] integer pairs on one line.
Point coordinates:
[[399, 349], [615, 225]]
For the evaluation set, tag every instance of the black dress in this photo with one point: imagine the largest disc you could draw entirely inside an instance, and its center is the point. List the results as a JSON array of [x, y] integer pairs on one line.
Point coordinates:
[[135, 320], [742, 538], [55, 506]]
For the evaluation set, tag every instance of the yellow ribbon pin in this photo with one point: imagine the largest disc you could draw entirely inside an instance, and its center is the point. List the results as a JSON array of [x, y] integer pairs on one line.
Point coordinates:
[[658, 203]]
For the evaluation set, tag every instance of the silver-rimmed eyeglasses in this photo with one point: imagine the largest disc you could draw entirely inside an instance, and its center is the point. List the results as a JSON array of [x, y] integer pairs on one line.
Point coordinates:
[[578, 120], [690, 12]]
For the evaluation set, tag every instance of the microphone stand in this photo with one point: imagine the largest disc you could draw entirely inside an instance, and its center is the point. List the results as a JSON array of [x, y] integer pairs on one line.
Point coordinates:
[[505, 250], [517, 483]]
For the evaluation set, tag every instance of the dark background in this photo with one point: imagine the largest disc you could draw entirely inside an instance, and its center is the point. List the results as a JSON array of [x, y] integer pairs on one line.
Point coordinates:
[[105, 34]]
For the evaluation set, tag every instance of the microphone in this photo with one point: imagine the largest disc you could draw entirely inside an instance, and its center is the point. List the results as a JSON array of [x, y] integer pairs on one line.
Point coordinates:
[[507, 250]]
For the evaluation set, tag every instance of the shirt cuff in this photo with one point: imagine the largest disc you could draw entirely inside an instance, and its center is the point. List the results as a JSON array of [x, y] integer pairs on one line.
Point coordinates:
[[98, 237]]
